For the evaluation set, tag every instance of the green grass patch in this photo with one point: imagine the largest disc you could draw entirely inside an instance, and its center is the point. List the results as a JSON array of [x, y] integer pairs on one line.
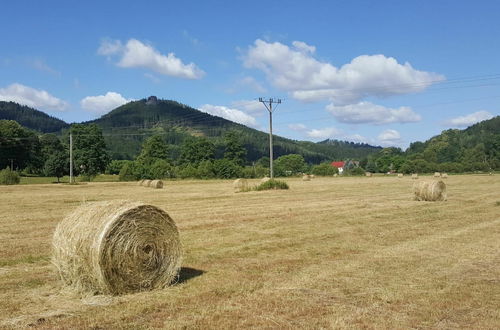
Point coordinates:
[[272, 185], [29, 259]]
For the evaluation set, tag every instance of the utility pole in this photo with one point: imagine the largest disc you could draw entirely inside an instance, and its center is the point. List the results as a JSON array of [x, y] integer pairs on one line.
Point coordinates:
[[70, 158], [11, 164], [269, 106]]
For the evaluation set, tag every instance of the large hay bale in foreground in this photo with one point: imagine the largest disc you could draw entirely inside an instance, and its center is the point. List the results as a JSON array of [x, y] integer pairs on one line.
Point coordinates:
[[306, 177], [240, 184], [146, 183], [430, 191], [157, 184], [414, 176], [117, 247]]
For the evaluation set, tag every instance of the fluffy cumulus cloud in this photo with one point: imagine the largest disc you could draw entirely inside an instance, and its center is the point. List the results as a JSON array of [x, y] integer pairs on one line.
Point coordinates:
[[465, 121], [296, 70], [103, 103], [324, 133], [135, 54], [252, 107], [35, 98], [235, 115], [367, 112], [389, 137]]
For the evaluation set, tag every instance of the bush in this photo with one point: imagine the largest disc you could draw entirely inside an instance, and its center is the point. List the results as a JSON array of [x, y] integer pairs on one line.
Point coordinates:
[[116, 166], [9, 177], [324, 169], [355, 171], [188, 171], [160, 169], [227, 169], [127, 173], [272, 184]]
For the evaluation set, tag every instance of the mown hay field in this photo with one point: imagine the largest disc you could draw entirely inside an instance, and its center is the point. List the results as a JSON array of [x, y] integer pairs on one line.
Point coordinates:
[[327, 253]]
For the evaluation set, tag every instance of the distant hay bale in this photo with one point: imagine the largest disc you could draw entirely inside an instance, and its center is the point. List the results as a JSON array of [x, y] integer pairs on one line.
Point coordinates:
[[265, 179], [437, 174], [312, 176], [117, 247], [369, 174], [306, 177], [414, 176], [335, 175], [430, 191], [157, 184], [140, 182], [146, 183], [444, 175], [240, 184], [400, 175]]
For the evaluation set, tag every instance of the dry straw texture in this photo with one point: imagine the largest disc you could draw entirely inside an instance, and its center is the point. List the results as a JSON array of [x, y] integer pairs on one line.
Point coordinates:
[[430, 191], [265, 179], [400, 175], [157, 184], [414, 176], [117, 247], [140, 182], [240, 184], [444, 175], [437, 174], [146, 183], [306, 177]]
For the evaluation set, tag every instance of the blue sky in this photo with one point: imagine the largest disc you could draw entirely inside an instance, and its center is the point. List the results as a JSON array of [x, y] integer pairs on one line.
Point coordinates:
[[382, 72]]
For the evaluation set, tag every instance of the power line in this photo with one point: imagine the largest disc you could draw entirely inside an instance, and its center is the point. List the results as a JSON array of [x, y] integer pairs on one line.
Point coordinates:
[[270, 109]]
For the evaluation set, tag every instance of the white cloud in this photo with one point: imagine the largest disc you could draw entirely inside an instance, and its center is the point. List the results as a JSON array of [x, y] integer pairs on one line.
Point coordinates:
[[468, 120], [40, 65], [295, 70], [358, 138], [389, 137], [297, 127], [252, 84], [137, 54], [103, 103], [35, 98], [231, 114], [324, 133], [252, 107], [367, 112]]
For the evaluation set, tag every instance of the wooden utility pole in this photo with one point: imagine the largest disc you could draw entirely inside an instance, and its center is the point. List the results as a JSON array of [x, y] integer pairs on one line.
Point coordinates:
[[70, 158], [269, 106]]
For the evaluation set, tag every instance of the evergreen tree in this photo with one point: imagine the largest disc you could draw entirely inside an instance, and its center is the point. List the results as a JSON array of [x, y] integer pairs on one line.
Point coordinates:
[[234, 149]]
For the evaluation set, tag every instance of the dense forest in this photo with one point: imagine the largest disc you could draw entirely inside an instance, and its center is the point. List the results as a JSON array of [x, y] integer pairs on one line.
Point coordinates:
[[31, 118]]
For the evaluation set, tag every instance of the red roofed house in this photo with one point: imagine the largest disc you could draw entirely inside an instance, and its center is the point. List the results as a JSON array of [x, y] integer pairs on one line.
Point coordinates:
[[339, 165]]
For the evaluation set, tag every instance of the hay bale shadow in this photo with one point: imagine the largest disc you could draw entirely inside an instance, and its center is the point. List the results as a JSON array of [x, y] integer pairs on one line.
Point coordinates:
[[187, 273]]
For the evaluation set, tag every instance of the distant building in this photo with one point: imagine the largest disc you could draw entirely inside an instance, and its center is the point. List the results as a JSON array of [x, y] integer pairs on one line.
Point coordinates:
[[347, 165], [152, 100]]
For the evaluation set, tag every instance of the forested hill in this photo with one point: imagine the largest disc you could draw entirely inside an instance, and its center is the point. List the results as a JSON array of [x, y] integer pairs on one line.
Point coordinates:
[[126, 127], [31, 118]]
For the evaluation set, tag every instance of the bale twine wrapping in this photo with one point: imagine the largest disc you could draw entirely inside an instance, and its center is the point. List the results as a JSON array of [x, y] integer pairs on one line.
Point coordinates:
[[437, 174], [117, 247], [306, 177], [240, 184], [400, 175], [146, 183], [414, 176], [265, 179], [430, 191], [157, 184]]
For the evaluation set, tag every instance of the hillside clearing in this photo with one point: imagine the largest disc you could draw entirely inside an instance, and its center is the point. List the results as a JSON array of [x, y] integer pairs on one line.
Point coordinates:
[[331, 252]]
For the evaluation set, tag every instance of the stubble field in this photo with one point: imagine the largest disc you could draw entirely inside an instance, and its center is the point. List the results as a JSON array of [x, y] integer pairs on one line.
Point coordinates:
[[329, 253]]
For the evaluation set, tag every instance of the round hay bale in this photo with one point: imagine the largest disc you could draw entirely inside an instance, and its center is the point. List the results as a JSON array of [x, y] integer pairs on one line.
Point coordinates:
[[369, 174], [437, 174], [444, 175], [240, 184], [265, 179], [335, 175], [414, 176], [306, 177], [430, 191], [117, 247], [312, 176], [146, 183], [400, 175], [156, 184], [140, 182]]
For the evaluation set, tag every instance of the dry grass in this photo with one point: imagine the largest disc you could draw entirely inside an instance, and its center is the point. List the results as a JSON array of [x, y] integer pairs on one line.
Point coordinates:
[[331, 253]]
